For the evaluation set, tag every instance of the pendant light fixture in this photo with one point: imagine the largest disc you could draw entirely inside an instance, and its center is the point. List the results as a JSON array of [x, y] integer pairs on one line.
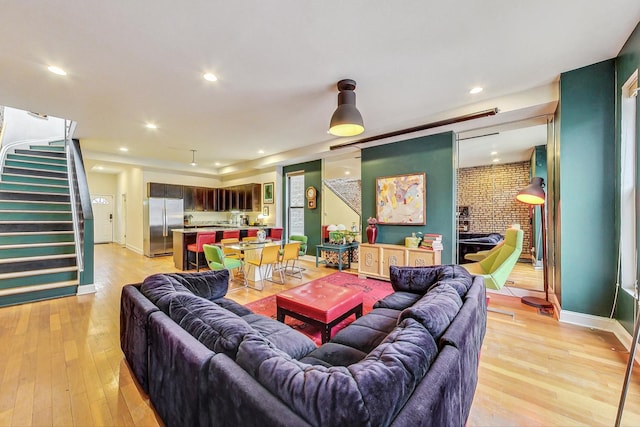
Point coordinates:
[[193, 158], [346, 120]]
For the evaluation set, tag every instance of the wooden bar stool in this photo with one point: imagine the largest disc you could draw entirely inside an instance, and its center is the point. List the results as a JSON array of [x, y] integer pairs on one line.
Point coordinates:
[[204, 238]]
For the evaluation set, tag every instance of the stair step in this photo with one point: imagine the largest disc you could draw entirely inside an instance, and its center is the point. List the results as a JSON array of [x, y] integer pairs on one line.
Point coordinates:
[[59, 143], [34, 188], [30, 251], [38, 277], [34, 172], [29, 264], [37, 216], [33, 206], [21, 289], [30, 179], [43, 153], [35, 165], [13, 238], [13, 195], [36, 245], [47, 148], [30, 226], [37, 159]]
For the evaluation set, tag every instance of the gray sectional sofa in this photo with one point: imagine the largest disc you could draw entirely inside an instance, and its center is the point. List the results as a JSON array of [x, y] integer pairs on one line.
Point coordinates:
[[206, 360]]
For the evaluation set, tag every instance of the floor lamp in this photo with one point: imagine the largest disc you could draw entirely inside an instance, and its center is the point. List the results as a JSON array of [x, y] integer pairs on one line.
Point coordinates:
[[534, 194]]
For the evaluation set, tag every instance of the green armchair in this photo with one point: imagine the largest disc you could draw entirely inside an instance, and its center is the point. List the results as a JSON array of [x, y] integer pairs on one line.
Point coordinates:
[[497, 266]]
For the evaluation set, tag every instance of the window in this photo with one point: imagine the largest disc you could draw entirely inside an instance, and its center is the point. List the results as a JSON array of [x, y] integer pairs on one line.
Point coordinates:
[[296, 203], [628, 243]]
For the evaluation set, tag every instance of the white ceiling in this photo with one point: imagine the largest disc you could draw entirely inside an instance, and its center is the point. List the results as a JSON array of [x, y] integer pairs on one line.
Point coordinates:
[[133, 62]]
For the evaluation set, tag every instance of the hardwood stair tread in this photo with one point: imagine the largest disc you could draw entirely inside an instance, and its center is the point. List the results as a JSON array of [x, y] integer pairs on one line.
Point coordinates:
[[34, 288]]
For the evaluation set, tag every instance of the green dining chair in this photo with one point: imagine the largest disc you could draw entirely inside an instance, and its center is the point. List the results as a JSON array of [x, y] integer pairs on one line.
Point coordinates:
[[217, 261]]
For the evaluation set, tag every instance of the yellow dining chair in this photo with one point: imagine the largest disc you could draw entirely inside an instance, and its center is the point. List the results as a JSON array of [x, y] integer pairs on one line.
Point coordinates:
[[229, 252], [290, 253], [270, 259]]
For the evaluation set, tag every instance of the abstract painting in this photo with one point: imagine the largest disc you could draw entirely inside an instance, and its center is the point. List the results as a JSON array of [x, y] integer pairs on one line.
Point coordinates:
[[401, 199]]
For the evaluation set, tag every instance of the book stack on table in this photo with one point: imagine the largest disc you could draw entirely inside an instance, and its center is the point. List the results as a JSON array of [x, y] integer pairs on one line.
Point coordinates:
[[432, 242]]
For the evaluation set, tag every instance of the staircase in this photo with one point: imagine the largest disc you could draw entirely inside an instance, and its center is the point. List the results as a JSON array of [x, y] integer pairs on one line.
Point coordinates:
[[37, 246], [348, 190]]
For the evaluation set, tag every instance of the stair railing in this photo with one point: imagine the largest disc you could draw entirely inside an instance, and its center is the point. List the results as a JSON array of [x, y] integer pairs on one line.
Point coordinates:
[[81, 210]]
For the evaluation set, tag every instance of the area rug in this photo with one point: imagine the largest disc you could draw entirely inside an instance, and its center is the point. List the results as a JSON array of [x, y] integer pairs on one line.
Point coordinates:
[[372, 291]]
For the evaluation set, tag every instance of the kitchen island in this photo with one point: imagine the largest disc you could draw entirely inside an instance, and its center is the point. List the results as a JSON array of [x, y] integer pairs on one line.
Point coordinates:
[[182, 237]]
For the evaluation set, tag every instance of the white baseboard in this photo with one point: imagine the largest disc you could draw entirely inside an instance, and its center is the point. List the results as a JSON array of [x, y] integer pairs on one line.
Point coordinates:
[[600, 323], [86, 289], [135, 249]]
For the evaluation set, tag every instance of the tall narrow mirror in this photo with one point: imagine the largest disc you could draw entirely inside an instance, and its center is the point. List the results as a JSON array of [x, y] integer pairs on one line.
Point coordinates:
[[494, 164]]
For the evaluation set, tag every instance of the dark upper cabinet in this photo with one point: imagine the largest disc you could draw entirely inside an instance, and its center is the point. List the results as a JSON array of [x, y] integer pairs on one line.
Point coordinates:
[[199, 198], [189, 200], [211, 200], [155, 189], [240, 197]]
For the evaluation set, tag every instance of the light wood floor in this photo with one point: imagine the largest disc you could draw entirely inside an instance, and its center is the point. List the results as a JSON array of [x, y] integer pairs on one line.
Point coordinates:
[[61, 363]]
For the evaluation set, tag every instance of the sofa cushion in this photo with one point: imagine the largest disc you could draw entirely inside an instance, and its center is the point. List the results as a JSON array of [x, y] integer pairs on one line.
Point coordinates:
[[218, 329], [368, 331], [457, 277], [233, 306], [357, 395], [285, 338], [413, 279], [435, 310], [398, 300], [332, 354], [159, 288]]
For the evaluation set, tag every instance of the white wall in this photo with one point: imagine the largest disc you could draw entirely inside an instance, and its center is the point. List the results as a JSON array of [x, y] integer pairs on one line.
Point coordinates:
[[19, 125], [335, 211]]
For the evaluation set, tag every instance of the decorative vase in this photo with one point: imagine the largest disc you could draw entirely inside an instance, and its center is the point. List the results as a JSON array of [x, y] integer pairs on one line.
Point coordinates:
[[262, 235], [372, 233]]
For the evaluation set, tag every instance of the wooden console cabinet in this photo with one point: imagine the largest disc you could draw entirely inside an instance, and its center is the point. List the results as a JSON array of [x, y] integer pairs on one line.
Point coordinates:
[[376, 259]]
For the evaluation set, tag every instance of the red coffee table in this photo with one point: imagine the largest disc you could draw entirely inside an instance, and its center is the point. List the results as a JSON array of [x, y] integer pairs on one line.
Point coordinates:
[[319, 304]]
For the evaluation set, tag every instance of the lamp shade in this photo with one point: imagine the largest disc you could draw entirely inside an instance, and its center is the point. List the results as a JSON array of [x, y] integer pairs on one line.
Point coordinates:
[[346, 120], [533, 194]]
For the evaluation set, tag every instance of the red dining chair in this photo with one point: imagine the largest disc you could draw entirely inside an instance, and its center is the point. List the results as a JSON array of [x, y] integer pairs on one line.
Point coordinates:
[[230, 234], [276, 234], [252, 232], [204, 238]]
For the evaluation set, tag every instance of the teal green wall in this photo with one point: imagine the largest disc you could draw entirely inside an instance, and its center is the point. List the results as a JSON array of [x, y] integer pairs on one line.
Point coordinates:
[[587, 184], [626, 63], [86, 276], [430, 154], [312, 217]]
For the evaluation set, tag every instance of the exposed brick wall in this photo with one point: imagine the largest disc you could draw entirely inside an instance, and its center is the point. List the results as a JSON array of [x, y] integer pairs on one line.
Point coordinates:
[[490, 192]]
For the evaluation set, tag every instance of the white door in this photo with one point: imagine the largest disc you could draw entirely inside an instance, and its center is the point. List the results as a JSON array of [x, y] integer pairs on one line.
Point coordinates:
[[102, 218]]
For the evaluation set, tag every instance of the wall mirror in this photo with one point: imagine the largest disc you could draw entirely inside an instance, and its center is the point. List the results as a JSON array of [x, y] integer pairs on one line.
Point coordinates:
[[494, 164]]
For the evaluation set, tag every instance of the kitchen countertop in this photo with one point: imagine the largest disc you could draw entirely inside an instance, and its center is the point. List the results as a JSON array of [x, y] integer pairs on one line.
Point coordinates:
[[217, 227]]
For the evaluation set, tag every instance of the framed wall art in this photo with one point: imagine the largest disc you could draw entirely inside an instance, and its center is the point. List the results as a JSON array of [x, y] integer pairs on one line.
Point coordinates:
[[267, 189], [401, 199]]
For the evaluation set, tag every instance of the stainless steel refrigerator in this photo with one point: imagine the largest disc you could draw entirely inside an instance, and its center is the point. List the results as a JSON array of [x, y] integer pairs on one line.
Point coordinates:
[[161, 216]]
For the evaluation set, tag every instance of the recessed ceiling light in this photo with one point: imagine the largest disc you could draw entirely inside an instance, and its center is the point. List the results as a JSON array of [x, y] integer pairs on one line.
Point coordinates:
[[475, 90], [125, 149], [496, 160], [217, 163], [210, 77], [151, 126], [493, 153], [99, 168], [260, 151], [347, 173], [57, 70]]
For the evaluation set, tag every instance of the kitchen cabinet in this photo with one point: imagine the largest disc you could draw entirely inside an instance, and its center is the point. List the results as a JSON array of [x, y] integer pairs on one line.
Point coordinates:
[[375, 259], [211, 200], [170, 191]]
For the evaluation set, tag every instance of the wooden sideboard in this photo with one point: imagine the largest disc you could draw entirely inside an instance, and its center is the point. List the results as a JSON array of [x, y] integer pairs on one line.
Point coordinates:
[[375, 259]]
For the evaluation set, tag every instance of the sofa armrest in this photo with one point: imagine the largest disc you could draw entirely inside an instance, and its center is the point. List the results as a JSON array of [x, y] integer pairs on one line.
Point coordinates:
[[436, 400], [229, 396], [135, 310], [177, 361]]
